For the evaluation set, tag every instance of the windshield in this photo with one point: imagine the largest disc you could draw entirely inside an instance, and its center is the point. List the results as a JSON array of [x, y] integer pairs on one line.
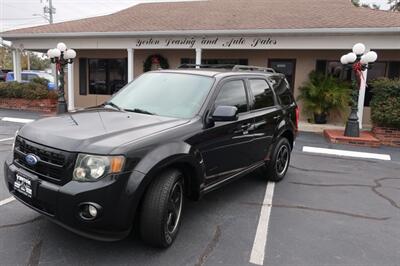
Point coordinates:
[[164, 94], [47, 76]]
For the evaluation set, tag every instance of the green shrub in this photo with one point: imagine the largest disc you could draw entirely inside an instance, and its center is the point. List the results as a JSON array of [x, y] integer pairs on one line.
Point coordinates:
[[37, 89], [322, 94], [385, 103]]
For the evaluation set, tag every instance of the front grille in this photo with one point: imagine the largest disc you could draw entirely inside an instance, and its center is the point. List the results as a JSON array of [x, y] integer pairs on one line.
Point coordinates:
[[55, 165]]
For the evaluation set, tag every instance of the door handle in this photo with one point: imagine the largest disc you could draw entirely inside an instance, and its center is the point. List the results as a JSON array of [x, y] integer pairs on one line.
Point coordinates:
[[245, 126], [277, 117]]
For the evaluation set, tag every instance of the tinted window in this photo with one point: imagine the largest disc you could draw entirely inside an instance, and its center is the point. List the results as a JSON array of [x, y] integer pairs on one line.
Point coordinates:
[[263, 96], [165, 94], [282, 90], [233, 93], [107, 76]]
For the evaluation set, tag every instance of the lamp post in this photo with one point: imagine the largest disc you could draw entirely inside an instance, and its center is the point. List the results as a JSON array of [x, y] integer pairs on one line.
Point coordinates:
[[61, 56], [359, 61]]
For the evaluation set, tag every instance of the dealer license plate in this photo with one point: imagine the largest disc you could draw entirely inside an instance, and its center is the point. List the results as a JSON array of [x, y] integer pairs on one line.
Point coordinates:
[[23, 185]]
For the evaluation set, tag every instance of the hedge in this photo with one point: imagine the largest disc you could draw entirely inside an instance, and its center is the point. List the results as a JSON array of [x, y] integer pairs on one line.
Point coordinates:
[[385, 103], [36, 89]]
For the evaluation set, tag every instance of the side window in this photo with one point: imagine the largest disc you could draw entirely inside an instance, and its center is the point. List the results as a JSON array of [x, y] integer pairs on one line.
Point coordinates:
[[31, 77], [263, 95], [24, 77], [233, 93], [282, 90]]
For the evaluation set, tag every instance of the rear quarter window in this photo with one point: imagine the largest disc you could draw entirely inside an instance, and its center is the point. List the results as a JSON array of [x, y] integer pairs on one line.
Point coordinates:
[[282, 90]]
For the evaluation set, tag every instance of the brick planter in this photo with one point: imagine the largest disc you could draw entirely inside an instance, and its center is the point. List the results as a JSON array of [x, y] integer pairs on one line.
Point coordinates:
[[387, 136], [42, 105]]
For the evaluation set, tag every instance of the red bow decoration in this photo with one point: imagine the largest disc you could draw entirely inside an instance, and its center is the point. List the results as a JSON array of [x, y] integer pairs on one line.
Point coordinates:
[[358, 69], [58, 67]]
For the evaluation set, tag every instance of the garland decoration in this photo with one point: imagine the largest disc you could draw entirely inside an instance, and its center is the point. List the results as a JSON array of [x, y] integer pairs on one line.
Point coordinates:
[[155, 60]]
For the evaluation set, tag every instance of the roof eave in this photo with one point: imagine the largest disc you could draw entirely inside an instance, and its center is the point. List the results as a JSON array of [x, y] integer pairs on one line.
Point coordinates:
[[328, 31]]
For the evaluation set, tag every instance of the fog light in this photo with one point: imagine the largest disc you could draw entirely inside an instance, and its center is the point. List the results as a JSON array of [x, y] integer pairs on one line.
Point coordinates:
[[89, 211], [92, 211]]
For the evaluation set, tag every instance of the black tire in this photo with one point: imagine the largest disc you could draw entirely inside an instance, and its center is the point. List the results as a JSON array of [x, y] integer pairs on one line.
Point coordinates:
[[277, 166], [160, 218]]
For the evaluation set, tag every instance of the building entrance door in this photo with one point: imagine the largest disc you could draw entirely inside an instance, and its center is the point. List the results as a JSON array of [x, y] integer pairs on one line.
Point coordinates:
[[286, 67]]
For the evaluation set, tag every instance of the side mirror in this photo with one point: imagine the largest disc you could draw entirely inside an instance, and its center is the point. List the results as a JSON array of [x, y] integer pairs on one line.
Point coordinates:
[[225, 113]]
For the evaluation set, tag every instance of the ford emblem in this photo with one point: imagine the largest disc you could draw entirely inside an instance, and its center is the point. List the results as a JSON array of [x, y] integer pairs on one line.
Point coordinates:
[[31, 159]]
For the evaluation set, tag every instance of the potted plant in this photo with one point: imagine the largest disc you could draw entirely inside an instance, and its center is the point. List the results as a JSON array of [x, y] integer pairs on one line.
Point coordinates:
[[322, 94]]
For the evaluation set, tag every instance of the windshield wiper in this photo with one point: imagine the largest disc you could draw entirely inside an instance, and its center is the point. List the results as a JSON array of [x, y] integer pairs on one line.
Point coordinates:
[[114, 105], [141, 111]]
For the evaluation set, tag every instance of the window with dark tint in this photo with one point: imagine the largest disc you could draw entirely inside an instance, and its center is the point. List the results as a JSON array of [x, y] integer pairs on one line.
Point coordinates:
[[377, 71], [282, 90], [28, 76], [263, 96], [233, 93], [107, 76]]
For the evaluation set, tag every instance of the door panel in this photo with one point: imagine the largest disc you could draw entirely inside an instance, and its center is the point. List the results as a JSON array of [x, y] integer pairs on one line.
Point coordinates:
[[226, 147], [266, 122], [266, 115]]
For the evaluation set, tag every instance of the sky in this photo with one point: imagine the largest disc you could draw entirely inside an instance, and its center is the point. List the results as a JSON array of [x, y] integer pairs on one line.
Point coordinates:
[[23, 13]]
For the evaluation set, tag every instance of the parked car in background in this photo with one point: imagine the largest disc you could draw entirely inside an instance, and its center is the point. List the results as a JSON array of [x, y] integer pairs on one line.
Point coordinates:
[[3, 74], [28, 76]]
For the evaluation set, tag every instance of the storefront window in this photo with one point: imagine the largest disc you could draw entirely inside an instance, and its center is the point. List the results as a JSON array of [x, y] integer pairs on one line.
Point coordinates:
[[107, 76]]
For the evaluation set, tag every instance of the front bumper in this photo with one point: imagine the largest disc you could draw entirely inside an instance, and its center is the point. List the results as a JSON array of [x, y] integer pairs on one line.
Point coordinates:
[[62, 203]]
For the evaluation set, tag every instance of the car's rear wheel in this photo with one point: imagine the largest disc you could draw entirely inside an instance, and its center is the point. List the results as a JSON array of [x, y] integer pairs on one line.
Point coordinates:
[[162, 209], [279, 163]]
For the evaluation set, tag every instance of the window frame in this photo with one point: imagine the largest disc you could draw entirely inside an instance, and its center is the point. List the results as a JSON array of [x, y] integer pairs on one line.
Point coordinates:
[[220, 85], [107, 73], [252, 108]]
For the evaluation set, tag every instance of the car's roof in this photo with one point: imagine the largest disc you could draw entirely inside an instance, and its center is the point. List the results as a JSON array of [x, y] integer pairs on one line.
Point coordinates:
[[213, 72]]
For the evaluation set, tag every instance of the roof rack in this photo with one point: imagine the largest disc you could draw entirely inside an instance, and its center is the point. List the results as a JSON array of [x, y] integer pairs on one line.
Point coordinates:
[[253, 68], [229, 67], [223, 66]]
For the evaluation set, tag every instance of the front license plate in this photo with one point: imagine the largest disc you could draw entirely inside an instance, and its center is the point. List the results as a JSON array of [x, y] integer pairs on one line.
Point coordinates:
[[23, 185]]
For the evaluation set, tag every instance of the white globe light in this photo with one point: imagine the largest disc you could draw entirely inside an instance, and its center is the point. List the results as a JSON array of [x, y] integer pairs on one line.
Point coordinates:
[[62, 47], [49, 53], [364, 59], [371, 56], [359, 48], [56, 53], [351, 57], [70, 54], [343, 60]]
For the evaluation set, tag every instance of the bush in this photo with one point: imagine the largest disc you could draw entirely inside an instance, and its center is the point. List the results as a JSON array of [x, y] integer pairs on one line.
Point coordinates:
[[322, 94], [385, 103], [37, 89]]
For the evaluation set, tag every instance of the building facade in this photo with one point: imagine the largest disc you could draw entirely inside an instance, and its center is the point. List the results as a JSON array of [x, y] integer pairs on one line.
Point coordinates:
[[293, 38]]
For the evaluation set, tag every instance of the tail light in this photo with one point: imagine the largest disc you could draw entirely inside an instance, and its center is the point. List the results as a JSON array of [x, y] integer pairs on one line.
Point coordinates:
[[297, 117]]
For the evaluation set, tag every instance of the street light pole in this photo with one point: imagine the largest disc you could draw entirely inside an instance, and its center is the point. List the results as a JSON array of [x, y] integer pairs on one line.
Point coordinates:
[[358, 61], [61, 56]]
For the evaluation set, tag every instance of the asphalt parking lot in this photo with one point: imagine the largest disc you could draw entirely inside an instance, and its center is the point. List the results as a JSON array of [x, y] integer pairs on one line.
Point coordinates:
[[329, 210]]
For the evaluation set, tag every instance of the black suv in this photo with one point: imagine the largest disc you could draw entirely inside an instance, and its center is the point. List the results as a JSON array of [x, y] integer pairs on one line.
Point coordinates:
[[167, 136]]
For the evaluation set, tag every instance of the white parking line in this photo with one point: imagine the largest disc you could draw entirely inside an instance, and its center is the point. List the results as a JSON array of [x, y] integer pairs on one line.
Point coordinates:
[[385, 157], [6, 139], [7, 200], [260, 241], [17, 120]]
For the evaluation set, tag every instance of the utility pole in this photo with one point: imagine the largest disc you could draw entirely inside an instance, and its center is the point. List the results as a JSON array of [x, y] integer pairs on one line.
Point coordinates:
[[49, 11]]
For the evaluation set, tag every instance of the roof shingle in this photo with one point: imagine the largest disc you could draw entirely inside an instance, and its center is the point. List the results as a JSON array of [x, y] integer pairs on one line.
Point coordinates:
[[227, 15]]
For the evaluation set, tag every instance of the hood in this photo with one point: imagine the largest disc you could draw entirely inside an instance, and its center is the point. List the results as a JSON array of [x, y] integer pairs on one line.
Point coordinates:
[[95, 131]]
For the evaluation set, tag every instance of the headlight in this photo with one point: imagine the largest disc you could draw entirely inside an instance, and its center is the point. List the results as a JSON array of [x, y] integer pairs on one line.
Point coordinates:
[[93, 167]]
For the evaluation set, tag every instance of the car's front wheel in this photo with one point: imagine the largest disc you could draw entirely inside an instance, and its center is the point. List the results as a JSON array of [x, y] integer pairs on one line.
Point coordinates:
[[162, 209], [279, 163]]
